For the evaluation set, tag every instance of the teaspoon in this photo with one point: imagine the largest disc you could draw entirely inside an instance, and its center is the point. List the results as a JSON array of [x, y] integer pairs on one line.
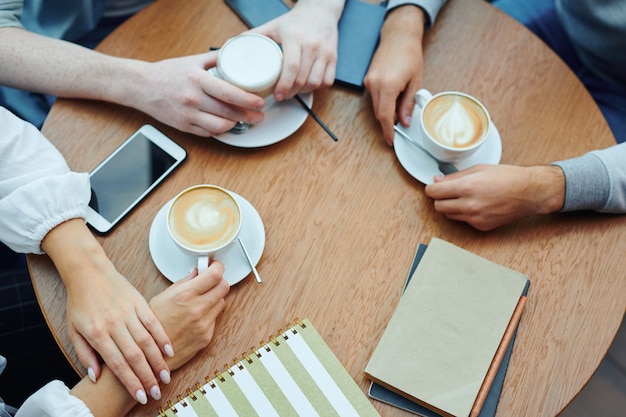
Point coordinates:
[[445, 167]]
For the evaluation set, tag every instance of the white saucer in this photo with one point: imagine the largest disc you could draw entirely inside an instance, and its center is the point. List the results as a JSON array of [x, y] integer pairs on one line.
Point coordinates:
[[175, 264], [423, 168], [281, 120]]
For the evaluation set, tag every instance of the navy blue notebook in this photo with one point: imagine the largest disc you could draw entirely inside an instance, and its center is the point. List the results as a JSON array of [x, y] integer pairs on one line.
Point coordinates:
[[380, 393], [359, 30]]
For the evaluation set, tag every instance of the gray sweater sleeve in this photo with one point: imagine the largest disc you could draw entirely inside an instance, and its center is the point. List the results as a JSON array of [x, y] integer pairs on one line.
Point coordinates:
[[430, 7], [596, 180]]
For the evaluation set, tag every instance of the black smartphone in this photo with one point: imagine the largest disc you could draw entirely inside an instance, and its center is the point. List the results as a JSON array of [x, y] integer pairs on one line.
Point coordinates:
[[256, 12], [128, 175]]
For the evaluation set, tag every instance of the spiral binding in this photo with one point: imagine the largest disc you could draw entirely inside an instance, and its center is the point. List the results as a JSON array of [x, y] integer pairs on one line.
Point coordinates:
[[218, 376]]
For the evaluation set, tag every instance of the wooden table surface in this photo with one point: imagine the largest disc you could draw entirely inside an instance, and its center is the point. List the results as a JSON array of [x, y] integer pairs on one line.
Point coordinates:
[[343, 219]]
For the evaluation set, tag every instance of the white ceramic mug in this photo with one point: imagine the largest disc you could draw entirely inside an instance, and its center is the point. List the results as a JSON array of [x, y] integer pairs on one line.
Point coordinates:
[[453, 125], [252, 62], [202, 220]]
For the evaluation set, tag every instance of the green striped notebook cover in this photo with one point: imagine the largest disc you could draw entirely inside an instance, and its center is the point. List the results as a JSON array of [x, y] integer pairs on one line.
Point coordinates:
[[294, 374]]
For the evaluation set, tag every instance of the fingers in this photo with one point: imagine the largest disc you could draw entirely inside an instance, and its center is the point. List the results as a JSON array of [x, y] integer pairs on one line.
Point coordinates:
[[118, 363], [155, 344], [237, 101], [86, 354], [292, 57], [127, 359], [209, 279], [130, 352], [386, 114], [407, 106]]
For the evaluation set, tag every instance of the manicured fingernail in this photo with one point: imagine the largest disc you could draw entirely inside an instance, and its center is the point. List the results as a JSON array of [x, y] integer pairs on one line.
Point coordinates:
[[165, 376], [169, 350], [407, 120], [141, 397], [155, 392], [279, 97], [92, 374]]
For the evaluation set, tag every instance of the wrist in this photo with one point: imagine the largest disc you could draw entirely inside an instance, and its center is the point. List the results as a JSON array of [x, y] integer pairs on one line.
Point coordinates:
[[334, 7], [75, 251], [131, 82], [106, 397], [407, 20], [549, 186]]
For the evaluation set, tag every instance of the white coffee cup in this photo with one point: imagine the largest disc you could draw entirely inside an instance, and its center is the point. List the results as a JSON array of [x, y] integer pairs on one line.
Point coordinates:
[[252, 62], [453, 125], [202, 220]]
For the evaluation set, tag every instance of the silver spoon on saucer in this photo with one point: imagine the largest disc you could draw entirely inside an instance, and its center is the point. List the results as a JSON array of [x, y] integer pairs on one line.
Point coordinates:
[[445, 167], [245, 252]]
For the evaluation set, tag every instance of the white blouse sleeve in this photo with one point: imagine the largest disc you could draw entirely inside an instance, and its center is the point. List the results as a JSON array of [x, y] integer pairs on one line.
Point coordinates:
[[37, 189], [53, 400]]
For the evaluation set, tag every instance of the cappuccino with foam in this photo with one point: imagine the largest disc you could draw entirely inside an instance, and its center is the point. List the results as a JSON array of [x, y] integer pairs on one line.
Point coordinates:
[[252, 62], [455, 120], [453, 125], [204, 219]]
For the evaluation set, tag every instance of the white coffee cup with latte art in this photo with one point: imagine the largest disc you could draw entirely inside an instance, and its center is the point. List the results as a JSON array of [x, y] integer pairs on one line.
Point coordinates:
[[202, 220], [453, 125]]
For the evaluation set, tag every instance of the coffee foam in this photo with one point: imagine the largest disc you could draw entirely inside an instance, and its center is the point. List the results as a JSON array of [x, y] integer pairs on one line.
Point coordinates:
[[455, 121], [204, 219], [251, 62]]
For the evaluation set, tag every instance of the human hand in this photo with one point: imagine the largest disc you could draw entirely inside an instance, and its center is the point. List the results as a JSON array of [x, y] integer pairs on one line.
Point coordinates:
[[308, 35], [396, 70], [105, 313], [183, 94], [188, 310], [489, 196], [110, 316]]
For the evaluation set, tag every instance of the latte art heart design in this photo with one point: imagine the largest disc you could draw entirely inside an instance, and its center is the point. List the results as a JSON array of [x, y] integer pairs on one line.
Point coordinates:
[[455, 121], [204, 219], [455, 127]]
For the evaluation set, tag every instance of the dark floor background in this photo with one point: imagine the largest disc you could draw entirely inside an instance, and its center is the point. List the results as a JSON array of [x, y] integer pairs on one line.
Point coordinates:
[[605, 394], [33, 357]]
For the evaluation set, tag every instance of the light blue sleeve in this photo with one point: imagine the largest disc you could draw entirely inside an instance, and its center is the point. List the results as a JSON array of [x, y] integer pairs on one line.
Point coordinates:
[[10, 13], [430, 7], [596, 180]]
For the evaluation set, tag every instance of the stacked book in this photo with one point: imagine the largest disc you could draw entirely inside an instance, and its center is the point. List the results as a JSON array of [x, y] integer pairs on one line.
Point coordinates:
[[445, 351]]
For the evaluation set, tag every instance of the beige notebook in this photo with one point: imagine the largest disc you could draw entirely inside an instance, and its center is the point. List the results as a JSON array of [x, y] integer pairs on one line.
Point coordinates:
[[446, 329]]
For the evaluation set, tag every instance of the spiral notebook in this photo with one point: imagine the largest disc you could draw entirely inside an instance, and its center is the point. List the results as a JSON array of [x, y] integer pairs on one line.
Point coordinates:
[[293, 374]]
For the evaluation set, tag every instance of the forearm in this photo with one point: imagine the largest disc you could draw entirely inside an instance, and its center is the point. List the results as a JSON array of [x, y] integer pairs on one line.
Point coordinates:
[[75, 252], [37, 63], [405, 23]]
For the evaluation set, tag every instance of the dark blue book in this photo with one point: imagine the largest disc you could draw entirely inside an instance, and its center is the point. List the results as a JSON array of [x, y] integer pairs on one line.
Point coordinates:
[[359, 30], [380, 393]]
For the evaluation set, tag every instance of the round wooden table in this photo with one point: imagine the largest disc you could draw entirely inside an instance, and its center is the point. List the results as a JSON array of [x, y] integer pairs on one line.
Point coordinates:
[[343, 219]]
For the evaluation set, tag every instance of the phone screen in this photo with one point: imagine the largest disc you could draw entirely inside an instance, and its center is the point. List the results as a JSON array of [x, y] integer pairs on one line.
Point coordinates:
[[126, 176]]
